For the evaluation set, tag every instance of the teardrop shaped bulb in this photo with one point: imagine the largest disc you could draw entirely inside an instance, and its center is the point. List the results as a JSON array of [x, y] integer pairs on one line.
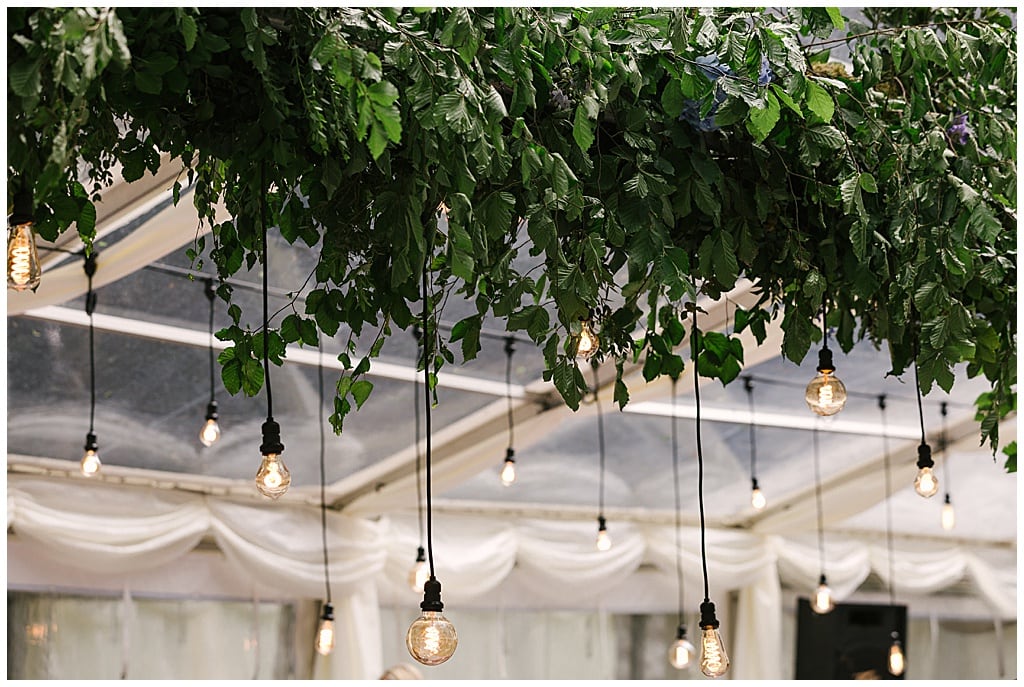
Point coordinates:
[[273, 477]]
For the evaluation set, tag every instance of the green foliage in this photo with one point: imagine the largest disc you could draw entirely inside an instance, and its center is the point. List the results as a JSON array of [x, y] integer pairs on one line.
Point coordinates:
[[637, 168]]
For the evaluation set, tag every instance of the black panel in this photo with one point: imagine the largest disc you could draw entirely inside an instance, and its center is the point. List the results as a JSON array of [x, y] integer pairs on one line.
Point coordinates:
[[850, 643]]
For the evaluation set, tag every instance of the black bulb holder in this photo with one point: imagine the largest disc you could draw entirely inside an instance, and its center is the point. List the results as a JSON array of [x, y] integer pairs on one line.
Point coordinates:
[[948, 502], [822, 581], [753, 483], [602, 525], [924, 456], [510, 455], [328, 613], [90, 442], [707, 616], [432, 596], [895, 636], [271, 438], [825, 364], [22, 212], [421, 555], [681, 631], [211, 411]]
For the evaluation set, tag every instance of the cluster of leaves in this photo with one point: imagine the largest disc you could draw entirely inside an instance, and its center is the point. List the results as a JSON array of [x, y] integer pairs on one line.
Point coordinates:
[[609, 161]]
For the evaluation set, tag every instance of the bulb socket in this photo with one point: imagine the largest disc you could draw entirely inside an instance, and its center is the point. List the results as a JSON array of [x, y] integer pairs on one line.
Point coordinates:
[[707, 616], [924, 456], [271, 438], [211, 411], [948, 502], [681, 631], [90, 442], [825, 364], [421, 555], [209, 291], [822, 581], [895, 636], [602, 525], [90, 264], [432, 596], [509, 347], [753, 483], [509, 455], [22, 212], [328, 613]]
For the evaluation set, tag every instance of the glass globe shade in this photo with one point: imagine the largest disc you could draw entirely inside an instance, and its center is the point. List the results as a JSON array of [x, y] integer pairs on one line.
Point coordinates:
[[273, 477], [431, 638], [826, 394]]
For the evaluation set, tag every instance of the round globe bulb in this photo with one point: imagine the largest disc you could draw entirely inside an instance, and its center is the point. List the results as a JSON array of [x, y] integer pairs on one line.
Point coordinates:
[[273, 477], [91, 463], [826, 394], [23, 269], [757, 499], [588, 342], [681, 653], [823, 602], [210, 433], [508, 473], [926, 483], [714, 662], [431, 638]]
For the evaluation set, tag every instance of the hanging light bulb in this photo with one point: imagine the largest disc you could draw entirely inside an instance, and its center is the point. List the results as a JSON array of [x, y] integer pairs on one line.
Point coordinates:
[[588, 341], [948, 515], [823, 601], [897, 662], [714, 662], [926, 484], [23, 268], [508, 472], [681, 653], [419, 574], [91, 460], [826, 394], [604, 542], [757, 499], [325, 632], [431, 638], [210, 432], [273, 477]]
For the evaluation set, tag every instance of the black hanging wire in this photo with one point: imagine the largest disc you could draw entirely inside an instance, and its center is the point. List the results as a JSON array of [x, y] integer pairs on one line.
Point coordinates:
[[419, 455], [920, 405], [817, 498], [266, 342], [943, 445], [426, 399], [888, 501], [509, 350], [600, 447], [210, 294], [679, 504], [749, 388], [323, 475], [90, 307], [695, 345]]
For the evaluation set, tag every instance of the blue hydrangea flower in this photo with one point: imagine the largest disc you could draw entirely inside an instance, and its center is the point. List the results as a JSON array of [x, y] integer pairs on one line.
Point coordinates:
[[959, 131], [766, 74], [713, 69]]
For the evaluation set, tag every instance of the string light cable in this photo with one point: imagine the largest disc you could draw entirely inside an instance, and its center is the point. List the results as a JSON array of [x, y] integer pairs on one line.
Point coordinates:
[[91, 463], [896, 662], [681, 651], [604, 541], [508, 470], [325, 632]]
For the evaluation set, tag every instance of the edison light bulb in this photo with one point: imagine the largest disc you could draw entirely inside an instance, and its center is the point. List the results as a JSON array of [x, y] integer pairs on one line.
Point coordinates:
[[210, 433], [948, 515], [680, 654], [91, 463], [273, 477], [23, 269], [825, 395], [325, 632], [823, 601], [508, 473], [713, 659], [926, 484], [431, 638], [757, 499], [896, 660], [604, 542], [588, 342], [420, 573]]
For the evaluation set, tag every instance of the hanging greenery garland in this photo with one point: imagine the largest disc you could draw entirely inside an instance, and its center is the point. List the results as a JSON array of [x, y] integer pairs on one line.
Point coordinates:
[[632, 152]]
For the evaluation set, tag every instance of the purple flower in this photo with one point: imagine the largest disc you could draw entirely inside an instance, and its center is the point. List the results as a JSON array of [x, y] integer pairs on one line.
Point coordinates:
[[959, 131], [766, 74]]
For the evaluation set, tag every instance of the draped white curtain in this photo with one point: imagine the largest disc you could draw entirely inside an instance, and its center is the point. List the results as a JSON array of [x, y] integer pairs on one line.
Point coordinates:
[[276, 547]]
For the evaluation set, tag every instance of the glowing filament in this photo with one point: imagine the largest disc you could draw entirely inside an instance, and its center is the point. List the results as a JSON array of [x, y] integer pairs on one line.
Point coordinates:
[[713, 659], [23, 270], [508, 473], [91, 463]]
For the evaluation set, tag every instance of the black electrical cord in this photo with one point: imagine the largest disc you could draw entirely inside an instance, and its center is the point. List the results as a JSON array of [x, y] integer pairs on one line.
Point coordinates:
[[817, 498], [323, 475], [679, 504], [210, 294], [426, 398], [943, 445], [888, 502], [509, 350], [749, 388], [824, 324], [920, 406], [419, 454], [266, 332], [90, 307], [600, 446], [694, 345]]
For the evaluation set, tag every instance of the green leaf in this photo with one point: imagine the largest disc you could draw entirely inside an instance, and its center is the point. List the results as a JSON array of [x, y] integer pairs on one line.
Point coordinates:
[[837, 18], [23, 77], [819, 101], [672, 99], [867, 182], [582, 129], [361, 391], [763, 120], [252, 376], [189, 31], [290, 328], [786, 99]]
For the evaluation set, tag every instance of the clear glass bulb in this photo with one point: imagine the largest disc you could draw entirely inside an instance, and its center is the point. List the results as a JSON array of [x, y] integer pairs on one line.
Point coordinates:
[[948, 516], [588, 342], [680, 654], [826, 394], [757, 499], [508, 473], [823, 601], [896, 660], [273, 477], [431, 638], [91, 463], [604, 542], [713, 659], [23, 269], [926, 483], [418, 576], [210, 433], [325, 636]]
